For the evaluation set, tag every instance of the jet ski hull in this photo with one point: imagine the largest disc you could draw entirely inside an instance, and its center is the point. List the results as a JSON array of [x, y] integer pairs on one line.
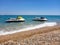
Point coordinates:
[[15, 21]]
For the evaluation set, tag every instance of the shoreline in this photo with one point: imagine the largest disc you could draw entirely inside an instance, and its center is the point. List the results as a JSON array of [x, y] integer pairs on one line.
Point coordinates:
[[30, 28], [26, 34]]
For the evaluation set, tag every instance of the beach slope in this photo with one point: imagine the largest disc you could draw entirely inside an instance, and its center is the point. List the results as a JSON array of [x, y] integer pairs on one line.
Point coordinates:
[[41, 36]]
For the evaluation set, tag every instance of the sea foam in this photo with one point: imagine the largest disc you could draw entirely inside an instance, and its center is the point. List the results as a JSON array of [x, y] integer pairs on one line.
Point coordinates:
[[30, 28]]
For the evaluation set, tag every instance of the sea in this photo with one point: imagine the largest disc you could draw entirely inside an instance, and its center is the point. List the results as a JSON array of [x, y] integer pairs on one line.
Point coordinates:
[[16, 26]]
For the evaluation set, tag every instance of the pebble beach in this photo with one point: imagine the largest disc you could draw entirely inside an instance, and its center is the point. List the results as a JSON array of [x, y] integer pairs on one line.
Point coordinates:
[[42, 36]]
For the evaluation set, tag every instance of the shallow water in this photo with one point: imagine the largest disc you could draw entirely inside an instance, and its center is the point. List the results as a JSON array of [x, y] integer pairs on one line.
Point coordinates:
[[6, 27]]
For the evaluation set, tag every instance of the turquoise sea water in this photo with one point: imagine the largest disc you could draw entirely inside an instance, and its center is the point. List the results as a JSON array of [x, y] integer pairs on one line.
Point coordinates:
[[28, 21]]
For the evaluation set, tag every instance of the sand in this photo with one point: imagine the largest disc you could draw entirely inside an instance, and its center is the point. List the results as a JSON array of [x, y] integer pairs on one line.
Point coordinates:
[[40, 36]]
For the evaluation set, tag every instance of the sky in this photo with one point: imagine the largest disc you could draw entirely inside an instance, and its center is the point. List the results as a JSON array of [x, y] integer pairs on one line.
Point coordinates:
[[29, 7]]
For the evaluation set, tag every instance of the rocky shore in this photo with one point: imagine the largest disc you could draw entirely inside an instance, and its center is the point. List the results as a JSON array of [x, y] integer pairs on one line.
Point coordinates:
[[43, 36]]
